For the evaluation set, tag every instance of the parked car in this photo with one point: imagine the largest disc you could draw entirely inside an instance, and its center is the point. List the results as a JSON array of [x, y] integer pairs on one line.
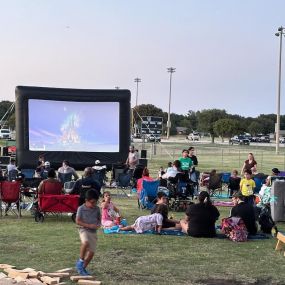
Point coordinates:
[[5, 134], [282, 140], [239, 140], [264, 139], [193, 136]]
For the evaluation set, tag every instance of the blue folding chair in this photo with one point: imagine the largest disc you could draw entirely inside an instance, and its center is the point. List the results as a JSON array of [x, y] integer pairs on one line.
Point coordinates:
[[28, 173], [225, 181], [124, 182], [148, 194], [258, 183]]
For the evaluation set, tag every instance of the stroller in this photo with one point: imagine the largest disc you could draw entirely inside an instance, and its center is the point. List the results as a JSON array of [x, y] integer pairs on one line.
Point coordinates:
[[181, 190]]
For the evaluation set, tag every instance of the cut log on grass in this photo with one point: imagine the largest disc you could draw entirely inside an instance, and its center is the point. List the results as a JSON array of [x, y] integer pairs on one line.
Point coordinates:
[[57, 274], [78, 277], [50, 280], [33, 281], [2, 275], [34, 274], [65, 270], [3, 266], [8, 281], [88, 282], [27, 270], [16, 273]]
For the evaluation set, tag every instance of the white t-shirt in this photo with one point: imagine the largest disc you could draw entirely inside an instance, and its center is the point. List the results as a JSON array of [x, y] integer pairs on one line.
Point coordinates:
[[145, 223], [133, 159], [171, 172]]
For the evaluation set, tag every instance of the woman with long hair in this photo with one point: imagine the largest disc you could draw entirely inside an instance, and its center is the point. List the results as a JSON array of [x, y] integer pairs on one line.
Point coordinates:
[[201, 217]]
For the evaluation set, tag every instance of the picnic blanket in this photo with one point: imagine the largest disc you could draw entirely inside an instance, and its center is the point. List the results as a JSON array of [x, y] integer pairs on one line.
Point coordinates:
[[116, 230], [223, 203]]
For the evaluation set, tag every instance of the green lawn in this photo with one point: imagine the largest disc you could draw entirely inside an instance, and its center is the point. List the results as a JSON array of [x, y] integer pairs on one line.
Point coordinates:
[[151, 259]]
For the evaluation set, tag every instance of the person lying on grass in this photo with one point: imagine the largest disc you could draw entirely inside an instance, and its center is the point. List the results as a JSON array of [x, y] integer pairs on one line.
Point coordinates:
[[166, 223], [201, 217], [110, 213], [146, 223]]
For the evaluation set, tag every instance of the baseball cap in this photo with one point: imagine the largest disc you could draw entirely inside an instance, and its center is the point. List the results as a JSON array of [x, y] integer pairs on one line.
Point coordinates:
[[238, 195], [97, 161], [47, 163]]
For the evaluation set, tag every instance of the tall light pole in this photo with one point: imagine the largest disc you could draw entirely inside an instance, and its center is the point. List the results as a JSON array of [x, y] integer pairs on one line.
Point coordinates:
[[280, 34], [170, 70], [137, 80]]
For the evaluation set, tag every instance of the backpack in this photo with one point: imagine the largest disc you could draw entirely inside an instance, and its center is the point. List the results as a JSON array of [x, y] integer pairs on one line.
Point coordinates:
[[265, 221], [235, 229]]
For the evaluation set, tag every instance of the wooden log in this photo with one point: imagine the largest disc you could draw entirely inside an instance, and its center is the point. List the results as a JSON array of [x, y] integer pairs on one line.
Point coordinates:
[[8, 281], [50, 280], [3, 266], [78, 277], [34, 274], [281, 237], [33, 281], [16, 273], [2, 275], [27, 270], [70, 269], [19, 279], [88, 282], [57, 274], [8, 269]]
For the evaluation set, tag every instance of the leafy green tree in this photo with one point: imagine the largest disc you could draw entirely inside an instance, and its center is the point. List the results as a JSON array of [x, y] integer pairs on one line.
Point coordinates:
[[207, 118], [193, 121], [227, 127], [255, 128]]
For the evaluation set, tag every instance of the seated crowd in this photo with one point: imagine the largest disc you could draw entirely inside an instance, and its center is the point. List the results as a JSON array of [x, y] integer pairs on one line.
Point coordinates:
[[200, 217]]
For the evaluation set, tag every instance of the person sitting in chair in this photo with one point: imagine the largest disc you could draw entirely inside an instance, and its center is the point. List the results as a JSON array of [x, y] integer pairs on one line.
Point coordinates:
[[50, 185], [66, 169], [85, 183]]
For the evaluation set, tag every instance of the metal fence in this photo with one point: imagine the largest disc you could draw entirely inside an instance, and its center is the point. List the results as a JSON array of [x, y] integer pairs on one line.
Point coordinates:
[[219, 157]]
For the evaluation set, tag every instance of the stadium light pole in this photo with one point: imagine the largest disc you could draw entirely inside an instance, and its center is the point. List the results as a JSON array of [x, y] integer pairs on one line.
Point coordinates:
[[137, 81], [280, 34], [170, 70]]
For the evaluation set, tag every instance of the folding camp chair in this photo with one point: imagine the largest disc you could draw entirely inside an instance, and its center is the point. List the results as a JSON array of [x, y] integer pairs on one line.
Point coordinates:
[[99, 176], [215, 185], [225, 181], [148, 194], [12, 175], [10, 195], [259, 180], [28, 173], [123, 183]]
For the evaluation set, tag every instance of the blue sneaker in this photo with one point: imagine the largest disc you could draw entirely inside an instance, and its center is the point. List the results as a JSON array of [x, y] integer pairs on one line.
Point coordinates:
[[79, 266], [83, 272], [86, 272]]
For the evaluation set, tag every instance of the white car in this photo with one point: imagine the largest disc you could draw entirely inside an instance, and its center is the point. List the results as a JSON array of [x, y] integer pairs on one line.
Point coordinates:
[[5, 134], [194, 137]]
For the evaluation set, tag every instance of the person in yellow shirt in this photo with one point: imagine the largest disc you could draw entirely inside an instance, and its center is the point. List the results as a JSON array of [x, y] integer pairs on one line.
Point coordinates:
[[247, 186]]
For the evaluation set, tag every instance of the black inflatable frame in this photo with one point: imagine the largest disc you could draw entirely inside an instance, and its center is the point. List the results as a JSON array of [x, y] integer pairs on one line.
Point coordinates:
[[28, 159]]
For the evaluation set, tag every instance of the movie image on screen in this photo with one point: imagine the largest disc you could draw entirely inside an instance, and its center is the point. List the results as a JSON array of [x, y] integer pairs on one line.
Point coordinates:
[[73, 126]]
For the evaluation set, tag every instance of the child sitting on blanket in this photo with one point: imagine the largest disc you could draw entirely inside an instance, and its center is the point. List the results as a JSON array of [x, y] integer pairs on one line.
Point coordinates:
[[146, 223], [110, 213]]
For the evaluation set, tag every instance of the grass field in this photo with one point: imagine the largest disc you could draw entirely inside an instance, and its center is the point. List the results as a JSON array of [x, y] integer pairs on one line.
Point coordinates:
[[149, 259]]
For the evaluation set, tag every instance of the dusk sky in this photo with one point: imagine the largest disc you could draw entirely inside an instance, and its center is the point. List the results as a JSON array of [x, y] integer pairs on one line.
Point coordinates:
[[224, 51]]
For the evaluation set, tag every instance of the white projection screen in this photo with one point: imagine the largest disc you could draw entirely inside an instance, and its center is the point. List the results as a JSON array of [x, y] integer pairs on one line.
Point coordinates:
[[73, 126]]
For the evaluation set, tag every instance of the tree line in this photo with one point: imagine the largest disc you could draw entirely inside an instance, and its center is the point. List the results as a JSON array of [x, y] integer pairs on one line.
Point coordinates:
[[215, 122]]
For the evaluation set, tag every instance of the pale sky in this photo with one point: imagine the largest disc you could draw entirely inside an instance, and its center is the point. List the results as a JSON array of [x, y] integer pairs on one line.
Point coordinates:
[[224, 51]]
